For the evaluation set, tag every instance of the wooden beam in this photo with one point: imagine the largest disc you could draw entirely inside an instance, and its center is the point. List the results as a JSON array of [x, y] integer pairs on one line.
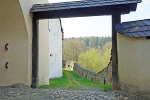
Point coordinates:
[[35, 53], [83, 12], [116, 18]]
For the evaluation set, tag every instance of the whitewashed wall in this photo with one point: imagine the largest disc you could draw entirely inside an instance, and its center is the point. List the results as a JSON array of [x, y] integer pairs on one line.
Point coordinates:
[[55, 50]]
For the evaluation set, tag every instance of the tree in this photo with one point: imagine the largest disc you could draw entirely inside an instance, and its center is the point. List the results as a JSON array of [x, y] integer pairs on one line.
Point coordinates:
[[108, 45], [86, 41], [91, 52], [92, 60], [72, 50], [107, 55]]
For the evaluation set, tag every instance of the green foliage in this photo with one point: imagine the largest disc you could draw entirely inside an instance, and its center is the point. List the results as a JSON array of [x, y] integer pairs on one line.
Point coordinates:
[[72, 50], [91, 42], [66, 82], [94, 60], [86, 41], [107, 56], [106, 87], [88, 83], [108, 45], [91, 52]]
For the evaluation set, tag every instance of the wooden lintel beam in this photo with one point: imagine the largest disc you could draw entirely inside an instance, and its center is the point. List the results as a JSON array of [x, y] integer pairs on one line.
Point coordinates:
[[116, 18], [83, 12], [34, 52]]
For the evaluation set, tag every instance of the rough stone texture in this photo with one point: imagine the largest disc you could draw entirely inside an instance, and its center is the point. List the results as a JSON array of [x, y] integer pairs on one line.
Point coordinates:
[[128, 96], [136, 90], [20, 86], [8, 93], [103, 77], [63, 64], [84, 72], [69, 65]]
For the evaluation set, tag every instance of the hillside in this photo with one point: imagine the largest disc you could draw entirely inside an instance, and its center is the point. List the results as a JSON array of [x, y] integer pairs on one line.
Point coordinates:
[[91, 52], [90, 42]]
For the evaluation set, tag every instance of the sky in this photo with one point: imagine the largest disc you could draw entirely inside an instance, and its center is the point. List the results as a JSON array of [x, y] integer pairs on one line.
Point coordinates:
[[99, 25]]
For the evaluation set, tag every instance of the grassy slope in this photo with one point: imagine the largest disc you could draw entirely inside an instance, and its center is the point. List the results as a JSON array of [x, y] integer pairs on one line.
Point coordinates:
[[60, 82], [74, 82]]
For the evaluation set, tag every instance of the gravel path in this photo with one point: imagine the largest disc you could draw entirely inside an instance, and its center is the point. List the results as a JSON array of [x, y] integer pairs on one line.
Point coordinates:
[[85, 93]]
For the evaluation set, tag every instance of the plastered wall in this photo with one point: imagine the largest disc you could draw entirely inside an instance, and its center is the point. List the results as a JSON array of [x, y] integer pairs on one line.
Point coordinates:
[[134, 64], [16, 30], [55, 49], [43, 53], [43, 41]]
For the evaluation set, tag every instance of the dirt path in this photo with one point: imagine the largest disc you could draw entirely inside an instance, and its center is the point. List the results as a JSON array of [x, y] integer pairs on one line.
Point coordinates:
[[70, 77]]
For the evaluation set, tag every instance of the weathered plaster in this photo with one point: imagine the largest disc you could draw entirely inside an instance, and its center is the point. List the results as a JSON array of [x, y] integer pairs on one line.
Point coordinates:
[[55, 49], [43, 41], [14, 32], [133, 62]]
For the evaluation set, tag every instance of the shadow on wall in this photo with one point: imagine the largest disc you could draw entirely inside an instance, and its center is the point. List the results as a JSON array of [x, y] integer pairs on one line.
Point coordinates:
[[102, 77]]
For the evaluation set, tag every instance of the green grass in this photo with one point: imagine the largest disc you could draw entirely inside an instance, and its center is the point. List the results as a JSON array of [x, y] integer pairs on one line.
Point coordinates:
[[60, 82], [65, 82], [65, 69], [85, 82]]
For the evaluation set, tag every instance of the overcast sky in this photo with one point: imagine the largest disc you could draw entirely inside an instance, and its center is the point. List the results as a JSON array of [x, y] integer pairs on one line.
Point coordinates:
[[99, 25]]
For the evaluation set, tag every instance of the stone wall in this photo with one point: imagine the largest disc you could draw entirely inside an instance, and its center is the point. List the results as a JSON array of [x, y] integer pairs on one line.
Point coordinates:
[[63, 63], [105, 76], [68, 64], [84, 72], [102, 77], [135, 90]]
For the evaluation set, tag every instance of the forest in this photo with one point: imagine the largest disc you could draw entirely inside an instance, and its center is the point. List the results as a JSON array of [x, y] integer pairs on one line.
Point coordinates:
[[91, 52]]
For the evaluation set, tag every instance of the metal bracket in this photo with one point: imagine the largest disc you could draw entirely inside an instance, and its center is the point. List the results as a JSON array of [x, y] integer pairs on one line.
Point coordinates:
[[6, 46], [6, 65]]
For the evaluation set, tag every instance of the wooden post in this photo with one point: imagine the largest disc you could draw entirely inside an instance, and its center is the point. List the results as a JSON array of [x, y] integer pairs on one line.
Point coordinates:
[[116, 18], [35, 53]]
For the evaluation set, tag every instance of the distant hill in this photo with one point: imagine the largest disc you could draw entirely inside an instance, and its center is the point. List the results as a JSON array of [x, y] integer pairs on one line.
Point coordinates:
[[91, 42]]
